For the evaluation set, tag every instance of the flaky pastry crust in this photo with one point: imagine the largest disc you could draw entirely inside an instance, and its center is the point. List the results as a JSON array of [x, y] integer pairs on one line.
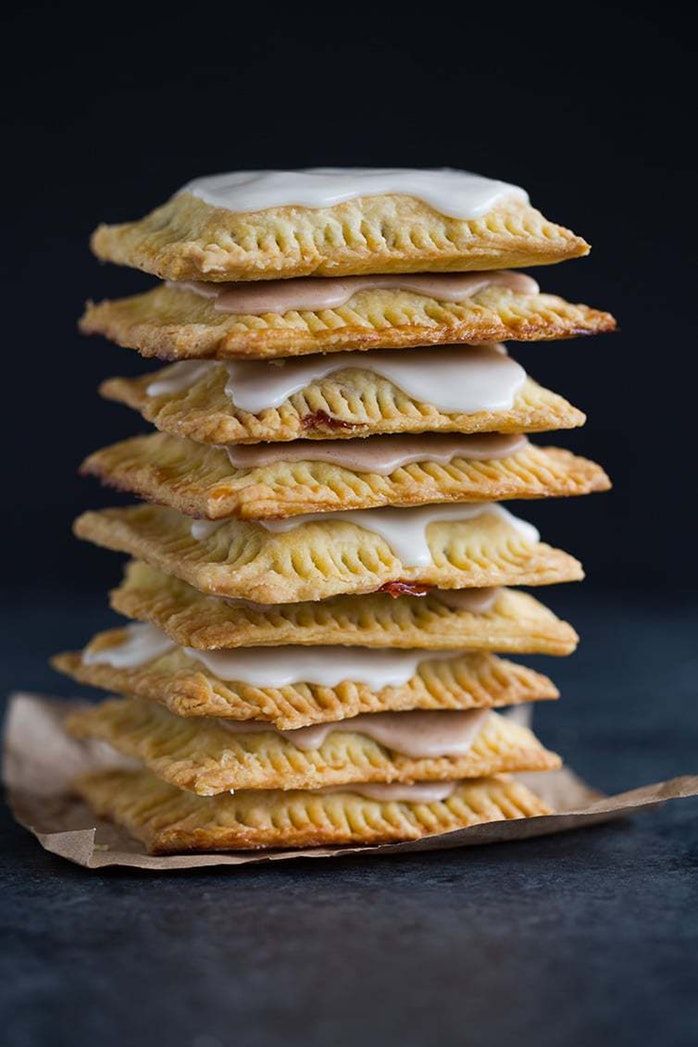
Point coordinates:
[[516, 623], [188, 239], [324, 558], [206, 758], [169, 820], [345, 404], [175, 324], [200, 481], [188, 689]]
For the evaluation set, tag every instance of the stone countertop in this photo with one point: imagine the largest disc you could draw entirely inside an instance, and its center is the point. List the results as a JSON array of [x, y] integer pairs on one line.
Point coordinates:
[[585, 938]]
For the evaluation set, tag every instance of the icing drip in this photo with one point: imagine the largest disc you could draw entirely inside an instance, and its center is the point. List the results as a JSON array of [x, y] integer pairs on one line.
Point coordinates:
[[316, 293], [418, 734], [477, 601], [464, 379], [456, 378], [458, 194], [405, 530], [379, 454], [143, 643], [423, 792], [203, 529]]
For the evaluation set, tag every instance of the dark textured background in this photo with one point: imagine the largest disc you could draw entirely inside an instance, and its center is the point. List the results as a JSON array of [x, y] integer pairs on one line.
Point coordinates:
[[584, 939]]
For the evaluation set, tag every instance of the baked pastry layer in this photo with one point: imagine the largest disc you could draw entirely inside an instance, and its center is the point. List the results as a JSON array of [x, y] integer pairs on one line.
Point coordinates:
[[188, 239], [207, 758], [187, 688], [325, 558], [345, 404], [200, 480], [174, 324], [516, 623], [169, 820]]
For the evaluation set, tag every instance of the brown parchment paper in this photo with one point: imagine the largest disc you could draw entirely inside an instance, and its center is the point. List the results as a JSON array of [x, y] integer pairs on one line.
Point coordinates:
[[41, 760]]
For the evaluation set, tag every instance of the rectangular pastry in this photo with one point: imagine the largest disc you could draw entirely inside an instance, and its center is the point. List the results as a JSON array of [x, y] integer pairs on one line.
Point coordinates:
[[337, 222], [460, 389], [314, 557], [294, 686], [169, 820], [209, 756], [505, 620], [265, 481], [280, 318]]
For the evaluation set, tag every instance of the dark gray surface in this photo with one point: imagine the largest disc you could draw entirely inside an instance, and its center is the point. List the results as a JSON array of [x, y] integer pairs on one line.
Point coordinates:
[[586, 938]]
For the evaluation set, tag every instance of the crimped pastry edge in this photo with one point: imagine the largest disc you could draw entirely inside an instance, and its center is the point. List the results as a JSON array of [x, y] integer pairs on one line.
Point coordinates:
[[187, 689], [268, 566], [200, 481], [153, 324], [517, 622], [187, 239], [168, 820]]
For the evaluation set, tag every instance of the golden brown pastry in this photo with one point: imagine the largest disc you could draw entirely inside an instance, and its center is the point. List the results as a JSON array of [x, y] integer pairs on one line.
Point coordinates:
[[207, 757], [201, 481], [505, 620], [168, 820], [189, 687], [345, 404], [176, 324], [189, 238], [325, 558]]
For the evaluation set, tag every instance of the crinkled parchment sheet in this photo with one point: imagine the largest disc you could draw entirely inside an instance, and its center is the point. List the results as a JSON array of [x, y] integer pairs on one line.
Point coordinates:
[[41, 760]]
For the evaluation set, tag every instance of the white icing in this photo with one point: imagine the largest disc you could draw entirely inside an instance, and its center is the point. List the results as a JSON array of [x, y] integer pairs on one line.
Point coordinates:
[[420, 734], [458, 194], [477, 601], [380, 455], [203, 529], [200, 530], [405, 530], [142, 644], [422, 792], [313, 293], [465, 379], [323, 666], [179, 377]]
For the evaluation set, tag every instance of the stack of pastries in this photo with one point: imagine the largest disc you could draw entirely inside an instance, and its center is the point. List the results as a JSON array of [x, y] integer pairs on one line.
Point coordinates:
[[323, 578]]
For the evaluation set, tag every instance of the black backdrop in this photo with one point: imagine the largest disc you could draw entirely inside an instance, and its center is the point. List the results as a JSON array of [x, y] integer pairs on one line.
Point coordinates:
[[113, 107]]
